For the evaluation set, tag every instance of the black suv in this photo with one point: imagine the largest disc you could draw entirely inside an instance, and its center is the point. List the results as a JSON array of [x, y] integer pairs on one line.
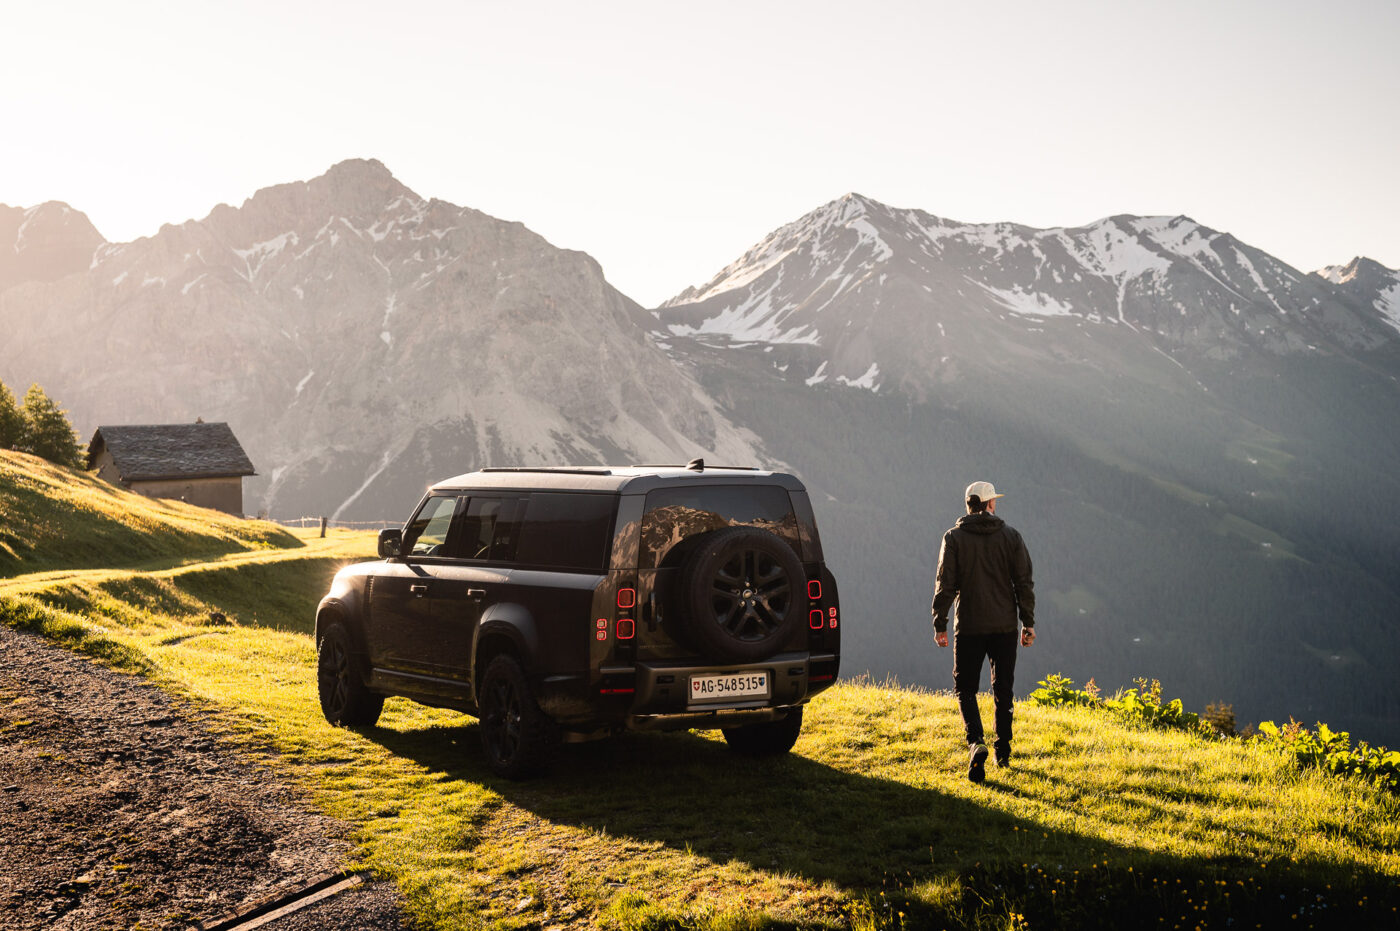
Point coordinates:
[[572, 603]]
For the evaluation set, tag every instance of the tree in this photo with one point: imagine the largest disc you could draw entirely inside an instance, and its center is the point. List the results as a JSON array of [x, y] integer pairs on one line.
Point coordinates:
[[48, 434], [11, 420]]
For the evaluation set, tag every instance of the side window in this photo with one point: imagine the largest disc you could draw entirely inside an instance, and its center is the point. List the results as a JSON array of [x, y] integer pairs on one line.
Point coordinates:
[[427, 532], [563, 531], [489, 530], [674, 515]]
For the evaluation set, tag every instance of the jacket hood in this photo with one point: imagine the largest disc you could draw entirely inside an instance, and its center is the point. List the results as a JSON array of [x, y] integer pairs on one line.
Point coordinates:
[[980, 523]]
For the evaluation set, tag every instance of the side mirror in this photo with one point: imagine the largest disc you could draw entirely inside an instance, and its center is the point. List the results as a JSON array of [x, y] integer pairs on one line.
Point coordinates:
[[389, 542]]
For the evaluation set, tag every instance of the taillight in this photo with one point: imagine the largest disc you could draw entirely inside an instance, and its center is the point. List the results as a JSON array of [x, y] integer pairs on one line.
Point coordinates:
[[626, 598], [816, 619], [832, 613], [602, 628], [814, 589], [626, 628]]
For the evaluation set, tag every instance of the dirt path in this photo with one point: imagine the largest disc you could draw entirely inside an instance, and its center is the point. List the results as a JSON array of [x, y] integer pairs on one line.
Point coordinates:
[[118, 808]]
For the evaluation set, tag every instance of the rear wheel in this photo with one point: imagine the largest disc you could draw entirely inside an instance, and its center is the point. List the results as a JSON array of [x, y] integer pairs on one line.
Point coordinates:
[[770, 738], [515, 734], [344, 699]]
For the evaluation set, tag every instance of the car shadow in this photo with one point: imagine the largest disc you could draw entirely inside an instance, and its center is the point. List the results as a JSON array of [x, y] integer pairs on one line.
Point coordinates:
[[788, 814]]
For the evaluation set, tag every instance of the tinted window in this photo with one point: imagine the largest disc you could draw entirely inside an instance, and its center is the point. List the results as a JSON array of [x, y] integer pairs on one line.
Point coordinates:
[[676, 514], [567, 531], [488, 530], [427, 532]]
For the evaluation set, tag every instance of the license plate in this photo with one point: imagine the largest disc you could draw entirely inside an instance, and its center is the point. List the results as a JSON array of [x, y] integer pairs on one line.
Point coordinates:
[[730, 686]]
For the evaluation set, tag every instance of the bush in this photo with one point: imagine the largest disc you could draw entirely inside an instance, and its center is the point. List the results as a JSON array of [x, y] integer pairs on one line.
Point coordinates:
[[1331, 752], [1142, 705], [1056, 691], [1221, 718]]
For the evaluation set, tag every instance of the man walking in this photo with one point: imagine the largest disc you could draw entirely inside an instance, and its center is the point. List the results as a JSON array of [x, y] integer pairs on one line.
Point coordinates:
[[984, 576]]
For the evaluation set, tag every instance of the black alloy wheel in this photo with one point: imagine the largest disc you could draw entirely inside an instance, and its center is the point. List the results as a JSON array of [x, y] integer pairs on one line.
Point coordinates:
[[345, 701], [742, 594], [515, 734], [751, 595]]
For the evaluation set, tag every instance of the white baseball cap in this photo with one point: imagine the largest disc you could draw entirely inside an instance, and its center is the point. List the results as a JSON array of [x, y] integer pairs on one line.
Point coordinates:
[[982, 490]]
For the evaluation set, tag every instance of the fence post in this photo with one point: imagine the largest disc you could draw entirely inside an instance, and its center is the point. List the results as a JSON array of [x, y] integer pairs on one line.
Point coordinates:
[[323, 527]]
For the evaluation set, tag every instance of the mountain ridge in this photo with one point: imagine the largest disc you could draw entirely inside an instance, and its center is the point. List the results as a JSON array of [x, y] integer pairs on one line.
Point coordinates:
[[1161, 398], [338, 293]]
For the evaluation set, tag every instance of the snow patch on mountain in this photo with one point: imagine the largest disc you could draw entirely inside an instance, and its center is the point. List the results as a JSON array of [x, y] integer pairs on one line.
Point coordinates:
[[1028, 303], [256, 255], [867, 381], [1388, 303]]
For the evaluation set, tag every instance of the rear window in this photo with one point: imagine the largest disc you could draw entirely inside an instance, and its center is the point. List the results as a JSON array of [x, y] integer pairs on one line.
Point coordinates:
[[674, 515], [565, 531]]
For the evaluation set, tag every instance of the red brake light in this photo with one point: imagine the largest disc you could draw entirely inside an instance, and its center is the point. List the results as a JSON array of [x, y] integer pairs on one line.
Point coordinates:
[[814, 589], [816, 619], [626, 628], [626, 597]]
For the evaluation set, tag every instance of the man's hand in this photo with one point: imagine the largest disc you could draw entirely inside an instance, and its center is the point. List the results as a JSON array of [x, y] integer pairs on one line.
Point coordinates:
[[1027, 636], [941, 638]]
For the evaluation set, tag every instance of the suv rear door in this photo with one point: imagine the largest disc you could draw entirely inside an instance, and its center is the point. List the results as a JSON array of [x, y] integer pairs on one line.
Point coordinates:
[[477, 576]]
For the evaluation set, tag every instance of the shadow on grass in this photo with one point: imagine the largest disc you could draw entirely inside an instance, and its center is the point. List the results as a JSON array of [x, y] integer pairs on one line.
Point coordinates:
[[788, 814], [938, 857]]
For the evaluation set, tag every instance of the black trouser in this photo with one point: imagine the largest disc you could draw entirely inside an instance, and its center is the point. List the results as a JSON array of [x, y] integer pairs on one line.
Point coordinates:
[[968, 652]]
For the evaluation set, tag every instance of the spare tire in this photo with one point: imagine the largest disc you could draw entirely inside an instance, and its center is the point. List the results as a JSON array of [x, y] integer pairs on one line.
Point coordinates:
[[741, 592]]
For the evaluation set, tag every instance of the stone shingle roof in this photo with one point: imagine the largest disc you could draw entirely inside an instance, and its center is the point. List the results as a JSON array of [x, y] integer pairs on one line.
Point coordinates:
[[169, 451]]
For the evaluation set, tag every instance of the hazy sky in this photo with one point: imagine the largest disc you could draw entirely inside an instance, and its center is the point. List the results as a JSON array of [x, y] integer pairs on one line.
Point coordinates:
[[665, 138]]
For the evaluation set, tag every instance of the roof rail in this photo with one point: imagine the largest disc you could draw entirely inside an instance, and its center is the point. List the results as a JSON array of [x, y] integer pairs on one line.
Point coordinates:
[[696, 465], [567, 470]]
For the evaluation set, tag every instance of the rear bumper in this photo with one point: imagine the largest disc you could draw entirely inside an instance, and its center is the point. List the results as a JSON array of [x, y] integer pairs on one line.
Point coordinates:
[[658, 695]]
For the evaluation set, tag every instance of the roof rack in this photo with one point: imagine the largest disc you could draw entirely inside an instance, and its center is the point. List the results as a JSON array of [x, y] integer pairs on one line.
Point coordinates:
[[567, 470], [695, 465]]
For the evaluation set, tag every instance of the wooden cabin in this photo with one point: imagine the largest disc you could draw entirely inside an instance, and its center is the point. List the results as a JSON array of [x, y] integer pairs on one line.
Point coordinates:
[[198, 463]]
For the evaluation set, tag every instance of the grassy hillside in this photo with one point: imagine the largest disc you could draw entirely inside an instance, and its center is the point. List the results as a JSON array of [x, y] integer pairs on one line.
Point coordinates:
[[54, 518], [870, 823]]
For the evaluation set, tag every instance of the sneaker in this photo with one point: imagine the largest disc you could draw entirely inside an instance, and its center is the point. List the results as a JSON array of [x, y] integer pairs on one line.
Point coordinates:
[[977, 768], [1004, 759]]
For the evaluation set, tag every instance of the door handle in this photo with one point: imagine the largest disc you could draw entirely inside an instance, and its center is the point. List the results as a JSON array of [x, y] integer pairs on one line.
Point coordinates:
[[476, 593], [420, 590]]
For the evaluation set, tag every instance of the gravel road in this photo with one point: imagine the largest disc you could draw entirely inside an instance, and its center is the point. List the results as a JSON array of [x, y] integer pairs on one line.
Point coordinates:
[[118, 808]]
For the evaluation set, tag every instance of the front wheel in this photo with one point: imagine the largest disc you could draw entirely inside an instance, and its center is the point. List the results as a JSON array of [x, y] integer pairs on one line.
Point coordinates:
[[344, 699], [516, 735], [770, 738]]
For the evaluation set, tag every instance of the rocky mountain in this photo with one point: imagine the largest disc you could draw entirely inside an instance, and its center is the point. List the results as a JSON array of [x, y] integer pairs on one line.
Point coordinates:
[[1368, 283], [44, 243], [885, 291], [362, 341], [1197, 439]]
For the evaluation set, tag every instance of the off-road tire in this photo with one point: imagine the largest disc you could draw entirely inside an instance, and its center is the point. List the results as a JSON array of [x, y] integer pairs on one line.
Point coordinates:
[[770, 738], [742, 594], [344, 699], [516, 736]]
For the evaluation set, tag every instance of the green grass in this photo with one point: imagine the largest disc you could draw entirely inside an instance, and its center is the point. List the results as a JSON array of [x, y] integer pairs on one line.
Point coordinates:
[[58, 518], [869, 823]]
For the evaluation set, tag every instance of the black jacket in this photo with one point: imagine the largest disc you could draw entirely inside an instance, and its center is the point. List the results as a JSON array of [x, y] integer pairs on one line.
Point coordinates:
[[984, 575]]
